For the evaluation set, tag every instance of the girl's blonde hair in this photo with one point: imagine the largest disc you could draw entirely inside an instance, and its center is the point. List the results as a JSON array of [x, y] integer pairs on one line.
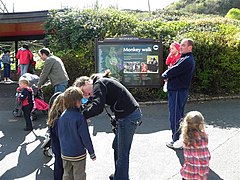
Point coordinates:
[[71, 96], [192, 123], [56, 110]]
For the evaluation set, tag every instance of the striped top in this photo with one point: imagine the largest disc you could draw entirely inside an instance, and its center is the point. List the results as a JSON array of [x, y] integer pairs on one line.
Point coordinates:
[[75, 158], [197, 156]]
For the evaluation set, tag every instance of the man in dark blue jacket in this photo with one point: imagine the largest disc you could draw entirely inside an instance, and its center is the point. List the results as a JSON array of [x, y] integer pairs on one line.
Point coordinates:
[[179, 77]]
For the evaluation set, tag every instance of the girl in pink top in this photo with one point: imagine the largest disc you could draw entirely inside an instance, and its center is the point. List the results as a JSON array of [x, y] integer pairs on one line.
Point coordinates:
[[173, 56], [195, 147]]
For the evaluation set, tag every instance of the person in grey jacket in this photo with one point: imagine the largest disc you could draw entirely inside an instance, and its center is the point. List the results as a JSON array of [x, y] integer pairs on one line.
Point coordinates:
[[54, 70]]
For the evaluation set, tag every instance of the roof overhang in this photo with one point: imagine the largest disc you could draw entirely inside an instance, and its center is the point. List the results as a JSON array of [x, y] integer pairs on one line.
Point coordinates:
[[22, 26]]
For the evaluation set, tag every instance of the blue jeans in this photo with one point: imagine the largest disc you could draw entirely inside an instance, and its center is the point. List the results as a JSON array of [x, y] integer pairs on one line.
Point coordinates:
[[24, 68], [6, 70], [176, 104], [61, 87], [122, 143]]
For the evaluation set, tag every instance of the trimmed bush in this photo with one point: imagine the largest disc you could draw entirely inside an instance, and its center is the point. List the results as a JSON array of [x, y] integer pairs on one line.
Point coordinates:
[[233, 13]]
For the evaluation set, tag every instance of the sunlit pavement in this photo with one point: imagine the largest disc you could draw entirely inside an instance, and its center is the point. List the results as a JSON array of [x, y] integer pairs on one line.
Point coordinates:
[[22, 158]]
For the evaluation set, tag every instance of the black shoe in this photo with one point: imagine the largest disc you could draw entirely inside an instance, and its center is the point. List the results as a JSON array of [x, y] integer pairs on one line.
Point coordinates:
[[111, 176], [28, 129]]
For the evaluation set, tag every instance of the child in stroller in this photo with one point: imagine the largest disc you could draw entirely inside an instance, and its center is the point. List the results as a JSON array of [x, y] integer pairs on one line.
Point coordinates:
[[39, 104]]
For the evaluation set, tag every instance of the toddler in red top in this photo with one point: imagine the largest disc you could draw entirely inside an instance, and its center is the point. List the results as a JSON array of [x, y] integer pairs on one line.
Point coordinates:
[[173, 56], [195, 147], [27, 98]]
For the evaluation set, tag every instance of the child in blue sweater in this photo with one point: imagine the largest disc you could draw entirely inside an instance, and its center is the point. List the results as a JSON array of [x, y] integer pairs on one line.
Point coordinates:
[[74, 136]]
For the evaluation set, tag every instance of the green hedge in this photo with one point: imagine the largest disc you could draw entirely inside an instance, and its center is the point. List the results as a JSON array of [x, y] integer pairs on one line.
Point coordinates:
[[217, 49], [233, 13]]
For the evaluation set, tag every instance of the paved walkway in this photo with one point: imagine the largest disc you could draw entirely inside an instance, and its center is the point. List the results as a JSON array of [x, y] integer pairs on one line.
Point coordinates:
[[22, 158]]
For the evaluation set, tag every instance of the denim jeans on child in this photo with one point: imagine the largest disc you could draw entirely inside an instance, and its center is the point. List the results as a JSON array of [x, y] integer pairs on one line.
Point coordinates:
[[6, 70], [122, 143]]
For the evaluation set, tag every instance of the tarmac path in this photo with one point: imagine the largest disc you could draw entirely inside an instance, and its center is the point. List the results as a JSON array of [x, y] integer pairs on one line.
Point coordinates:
[[21, 156]]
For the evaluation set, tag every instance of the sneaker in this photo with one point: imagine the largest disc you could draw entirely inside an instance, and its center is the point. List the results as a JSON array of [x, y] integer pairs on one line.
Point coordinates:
[[9, 81], [175, 145], [178, 144], [169, 144]]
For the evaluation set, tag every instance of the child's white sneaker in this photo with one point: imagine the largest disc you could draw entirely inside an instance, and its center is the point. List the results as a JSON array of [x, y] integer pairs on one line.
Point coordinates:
[[178, 144]]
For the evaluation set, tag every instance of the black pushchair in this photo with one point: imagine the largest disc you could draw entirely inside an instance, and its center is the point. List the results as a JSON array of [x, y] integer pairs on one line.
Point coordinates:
[[46, 145], [39, 104]]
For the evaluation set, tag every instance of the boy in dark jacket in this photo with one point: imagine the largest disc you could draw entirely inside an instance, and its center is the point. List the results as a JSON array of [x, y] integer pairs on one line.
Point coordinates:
[[74, 136], [27, 99]]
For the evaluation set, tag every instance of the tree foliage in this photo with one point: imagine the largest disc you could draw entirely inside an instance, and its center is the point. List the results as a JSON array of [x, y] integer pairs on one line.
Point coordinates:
[[233, 13], [219, 7]]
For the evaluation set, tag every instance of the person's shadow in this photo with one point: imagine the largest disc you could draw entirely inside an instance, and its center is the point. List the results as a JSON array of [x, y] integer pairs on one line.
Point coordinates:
[[212, 175], [29, 163], [150, 120]]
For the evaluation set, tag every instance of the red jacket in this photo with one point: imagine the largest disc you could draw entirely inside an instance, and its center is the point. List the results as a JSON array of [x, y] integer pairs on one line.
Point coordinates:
[[24, 56], [171, 59], [26, 96]]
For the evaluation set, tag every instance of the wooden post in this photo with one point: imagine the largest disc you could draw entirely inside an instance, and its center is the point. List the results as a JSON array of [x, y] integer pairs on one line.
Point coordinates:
[[16, 50]]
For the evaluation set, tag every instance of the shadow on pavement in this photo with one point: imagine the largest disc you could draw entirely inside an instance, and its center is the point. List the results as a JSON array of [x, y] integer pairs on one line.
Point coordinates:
[[29, 162], [154, 119], [14, 143], [219, 113], [13, 133]]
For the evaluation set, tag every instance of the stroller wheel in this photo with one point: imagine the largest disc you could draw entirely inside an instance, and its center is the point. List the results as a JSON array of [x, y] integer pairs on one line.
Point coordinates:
[[34, 116], [48, 152], [14, 112], [17, 113], [45, 112]]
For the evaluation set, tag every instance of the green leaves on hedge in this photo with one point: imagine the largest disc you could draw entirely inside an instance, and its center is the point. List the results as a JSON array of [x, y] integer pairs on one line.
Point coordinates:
[[71, 34]]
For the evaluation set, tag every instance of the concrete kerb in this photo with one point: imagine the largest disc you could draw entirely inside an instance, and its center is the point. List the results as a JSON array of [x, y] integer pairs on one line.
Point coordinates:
[[193, 99]]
